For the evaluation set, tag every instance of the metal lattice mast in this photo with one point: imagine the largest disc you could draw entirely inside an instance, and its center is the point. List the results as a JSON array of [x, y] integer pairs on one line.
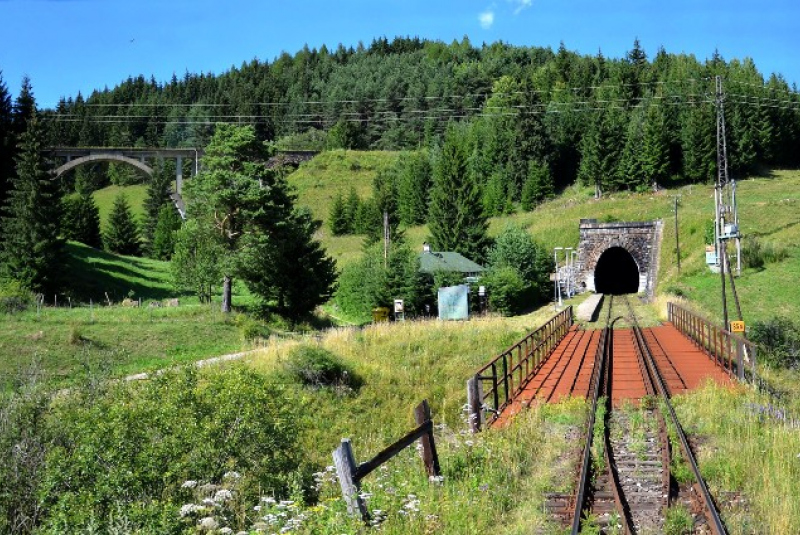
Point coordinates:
[[727, 217]]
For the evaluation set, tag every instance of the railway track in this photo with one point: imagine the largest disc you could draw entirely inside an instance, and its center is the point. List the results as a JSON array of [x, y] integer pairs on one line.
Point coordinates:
[[625, 483]]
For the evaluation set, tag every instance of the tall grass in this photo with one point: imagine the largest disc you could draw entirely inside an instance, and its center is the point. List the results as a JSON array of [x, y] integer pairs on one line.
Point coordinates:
[[746, 448], [492, 481]]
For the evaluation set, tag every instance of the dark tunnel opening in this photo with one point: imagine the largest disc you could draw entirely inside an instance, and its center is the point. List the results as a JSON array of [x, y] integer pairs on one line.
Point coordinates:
[[616, 272]]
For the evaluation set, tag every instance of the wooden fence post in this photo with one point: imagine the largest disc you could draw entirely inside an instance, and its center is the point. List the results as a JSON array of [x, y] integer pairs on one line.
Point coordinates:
[[422, 414], [346, 470], [475, 404]]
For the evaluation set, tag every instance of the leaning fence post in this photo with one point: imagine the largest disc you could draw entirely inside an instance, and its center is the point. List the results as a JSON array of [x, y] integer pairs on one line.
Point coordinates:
[[475, 404], [422, 414], [346, 470]]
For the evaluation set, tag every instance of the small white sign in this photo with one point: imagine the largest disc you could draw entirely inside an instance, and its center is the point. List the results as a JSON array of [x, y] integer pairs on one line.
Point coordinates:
[[398, 306]]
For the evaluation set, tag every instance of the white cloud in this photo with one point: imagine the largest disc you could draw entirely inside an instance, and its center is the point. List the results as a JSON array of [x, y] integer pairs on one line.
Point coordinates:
[[521, 4], [486, 19]]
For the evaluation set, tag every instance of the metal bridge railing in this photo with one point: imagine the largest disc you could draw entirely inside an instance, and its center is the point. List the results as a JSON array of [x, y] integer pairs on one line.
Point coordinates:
[[729, 350], [495, 385]]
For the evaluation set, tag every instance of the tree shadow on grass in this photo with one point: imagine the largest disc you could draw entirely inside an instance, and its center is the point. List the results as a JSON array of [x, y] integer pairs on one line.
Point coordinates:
[[91, 274]]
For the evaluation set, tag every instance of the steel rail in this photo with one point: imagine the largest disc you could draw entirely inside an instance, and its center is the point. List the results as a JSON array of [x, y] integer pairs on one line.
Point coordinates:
[[712, 514], [599, 371]]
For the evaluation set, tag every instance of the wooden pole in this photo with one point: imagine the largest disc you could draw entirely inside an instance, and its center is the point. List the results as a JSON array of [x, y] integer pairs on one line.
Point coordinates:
[[677, 241], [422, 414], [346, 470], [475, 404]]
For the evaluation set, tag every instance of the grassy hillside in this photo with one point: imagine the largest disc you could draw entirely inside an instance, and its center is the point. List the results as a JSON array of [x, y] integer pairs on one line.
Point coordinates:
[[104, 198], [74, 339], [329, 174], [768, 207]]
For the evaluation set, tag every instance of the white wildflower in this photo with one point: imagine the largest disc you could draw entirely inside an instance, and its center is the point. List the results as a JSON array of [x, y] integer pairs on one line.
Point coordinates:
[[189, 484], [226, 531], [189, 509], [231, 475], [436, 479], [208, 523], [223, 495], [268, 500]]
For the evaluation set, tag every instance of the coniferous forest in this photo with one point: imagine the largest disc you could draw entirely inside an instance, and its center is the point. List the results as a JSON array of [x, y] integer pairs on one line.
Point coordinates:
[[524, 123], [618, 123]]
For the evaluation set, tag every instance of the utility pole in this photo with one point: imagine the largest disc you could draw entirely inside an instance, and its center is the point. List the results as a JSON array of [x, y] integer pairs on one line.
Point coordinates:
[[677, 240], [385, 239]]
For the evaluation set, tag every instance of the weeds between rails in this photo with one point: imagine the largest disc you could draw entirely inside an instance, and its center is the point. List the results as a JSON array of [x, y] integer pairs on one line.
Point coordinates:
[[630, 482]]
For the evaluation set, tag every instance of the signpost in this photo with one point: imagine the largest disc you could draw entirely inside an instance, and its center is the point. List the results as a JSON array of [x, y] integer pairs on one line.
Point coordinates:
[[399, 313], [737, 326]]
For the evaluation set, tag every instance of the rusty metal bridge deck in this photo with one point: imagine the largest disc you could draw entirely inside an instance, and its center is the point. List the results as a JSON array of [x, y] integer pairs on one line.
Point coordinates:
[[567, 371]]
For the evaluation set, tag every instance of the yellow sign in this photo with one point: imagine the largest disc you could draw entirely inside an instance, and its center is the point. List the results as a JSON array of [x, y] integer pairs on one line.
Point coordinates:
[[737, 326], [380, 314]]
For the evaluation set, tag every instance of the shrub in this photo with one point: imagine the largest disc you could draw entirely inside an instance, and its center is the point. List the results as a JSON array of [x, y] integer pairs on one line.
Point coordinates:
[[780, 340], [136, 444], [251, 329], [507, 290], [13, 297], [317, 367], [756, 254]]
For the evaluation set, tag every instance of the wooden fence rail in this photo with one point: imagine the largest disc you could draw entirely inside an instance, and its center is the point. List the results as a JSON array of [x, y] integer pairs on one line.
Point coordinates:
[[729, 350], [350, 474], [495, 385]]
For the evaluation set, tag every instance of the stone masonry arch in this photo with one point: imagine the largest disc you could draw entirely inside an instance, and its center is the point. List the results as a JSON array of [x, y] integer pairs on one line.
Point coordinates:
[[642, 240]]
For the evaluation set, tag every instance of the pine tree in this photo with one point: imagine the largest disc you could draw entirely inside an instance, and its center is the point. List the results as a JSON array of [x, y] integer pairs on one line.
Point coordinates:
[[122, 234], [32, 251], [456, 218], [81, 220], [338, 218]]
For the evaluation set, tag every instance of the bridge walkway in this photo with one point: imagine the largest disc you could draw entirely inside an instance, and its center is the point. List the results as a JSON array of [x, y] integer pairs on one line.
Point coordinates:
[[567, 371]]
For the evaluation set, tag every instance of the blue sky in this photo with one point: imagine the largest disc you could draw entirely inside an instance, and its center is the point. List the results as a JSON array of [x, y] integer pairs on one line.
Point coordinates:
[[71, 45]]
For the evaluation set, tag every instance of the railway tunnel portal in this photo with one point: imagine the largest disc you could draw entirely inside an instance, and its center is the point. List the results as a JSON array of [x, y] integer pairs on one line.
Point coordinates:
[[619, 257]]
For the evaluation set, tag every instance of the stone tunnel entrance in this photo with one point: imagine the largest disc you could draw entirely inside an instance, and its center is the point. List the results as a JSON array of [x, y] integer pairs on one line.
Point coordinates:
[[616, 272], [618, 257]]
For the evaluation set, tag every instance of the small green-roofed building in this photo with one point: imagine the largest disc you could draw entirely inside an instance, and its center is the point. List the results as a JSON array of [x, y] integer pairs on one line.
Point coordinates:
[[447, 261]]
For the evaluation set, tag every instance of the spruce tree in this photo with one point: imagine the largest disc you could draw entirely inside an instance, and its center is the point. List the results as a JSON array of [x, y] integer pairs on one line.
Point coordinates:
[[24, 106], [413, 187], [338, 219], [158, 189], [655, 148], [456, 218], [352, 203], [122, 233], [81, 220], [169, 221], [698, 143], [288, 267], [538, 186], [7, 146], [32, 251]]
